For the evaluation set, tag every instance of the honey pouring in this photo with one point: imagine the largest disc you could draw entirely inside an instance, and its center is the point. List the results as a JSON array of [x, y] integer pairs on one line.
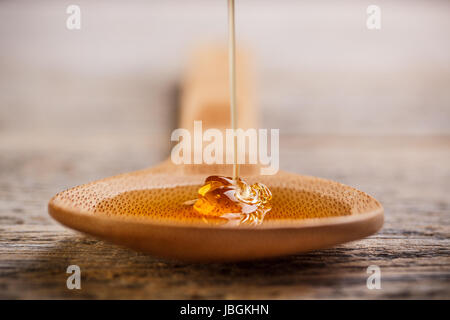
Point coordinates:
[[226, 197]]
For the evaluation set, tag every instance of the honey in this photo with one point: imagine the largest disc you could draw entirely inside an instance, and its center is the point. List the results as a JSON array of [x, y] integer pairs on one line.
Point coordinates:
[[233, 200], [166, 205]]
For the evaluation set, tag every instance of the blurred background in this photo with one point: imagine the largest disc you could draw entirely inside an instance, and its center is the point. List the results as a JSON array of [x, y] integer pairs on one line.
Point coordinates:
[[103, 99], [320, 70], [369, 108], [323, 78]]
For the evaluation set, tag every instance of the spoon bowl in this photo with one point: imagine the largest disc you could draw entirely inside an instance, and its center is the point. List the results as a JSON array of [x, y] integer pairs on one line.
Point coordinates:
[[144, 210]]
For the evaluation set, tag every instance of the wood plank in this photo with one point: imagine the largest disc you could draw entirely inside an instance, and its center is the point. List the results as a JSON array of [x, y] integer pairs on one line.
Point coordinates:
[[412, 249]]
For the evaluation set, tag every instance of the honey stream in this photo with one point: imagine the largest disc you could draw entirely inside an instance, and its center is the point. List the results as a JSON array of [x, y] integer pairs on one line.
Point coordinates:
[[232, 198]]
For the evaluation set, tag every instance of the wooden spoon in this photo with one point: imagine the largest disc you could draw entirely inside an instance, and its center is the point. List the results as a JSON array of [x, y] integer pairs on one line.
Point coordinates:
[[144, 210]]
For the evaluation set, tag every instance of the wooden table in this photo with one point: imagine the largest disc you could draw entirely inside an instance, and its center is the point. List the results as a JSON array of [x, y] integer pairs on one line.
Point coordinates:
[[410, 176], [363, 107]]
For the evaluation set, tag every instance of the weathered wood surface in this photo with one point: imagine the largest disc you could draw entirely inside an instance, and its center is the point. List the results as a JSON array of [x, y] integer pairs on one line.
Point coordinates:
[[410, 176]]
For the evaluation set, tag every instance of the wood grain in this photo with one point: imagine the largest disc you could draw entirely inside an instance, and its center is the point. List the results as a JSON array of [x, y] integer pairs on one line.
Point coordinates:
[[410, 176], [83, 105]]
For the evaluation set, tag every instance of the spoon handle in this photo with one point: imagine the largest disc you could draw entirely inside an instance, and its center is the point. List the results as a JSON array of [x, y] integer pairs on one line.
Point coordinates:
[[205, 92]]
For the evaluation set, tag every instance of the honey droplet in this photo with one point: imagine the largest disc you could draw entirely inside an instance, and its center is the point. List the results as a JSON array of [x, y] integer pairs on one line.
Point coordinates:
[[236, 201]]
